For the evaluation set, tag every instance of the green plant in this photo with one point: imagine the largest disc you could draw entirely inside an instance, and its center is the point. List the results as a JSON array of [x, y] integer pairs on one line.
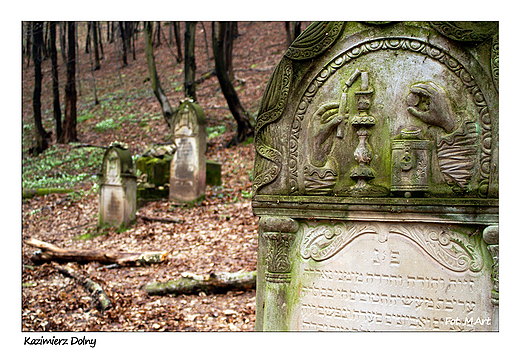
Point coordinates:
[[215, 131], [106, 125], [61, 168]]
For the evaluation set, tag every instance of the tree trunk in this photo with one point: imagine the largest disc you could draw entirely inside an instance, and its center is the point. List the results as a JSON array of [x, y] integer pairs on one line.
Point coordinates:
[[95, 40], [55, 81], [189, 61], [244, 126], [231, 28], [123, 43], [40, 134], [51, 252], [214, 283], [154, 77], [69, 124], [63, 40], [177, 32], [157, 43], [292, 30], [28, 42]]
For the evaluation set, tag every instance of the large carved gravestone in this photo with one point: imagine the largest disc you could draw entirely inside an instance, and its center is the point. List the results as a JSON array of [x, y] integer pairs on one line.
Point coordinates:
[[376, 179], [188, 166], [118, 188]]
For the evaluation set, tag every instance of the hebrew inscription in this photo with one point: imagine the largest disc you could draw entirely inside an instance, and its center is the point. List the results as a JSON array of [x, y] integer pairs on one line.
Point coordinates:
[[379, 277]]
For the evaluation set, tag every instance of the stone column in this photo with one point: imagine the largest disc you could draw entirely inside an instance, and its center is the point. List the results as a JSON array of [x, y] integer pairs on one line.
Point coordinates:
[[277, 234], [491, 238]]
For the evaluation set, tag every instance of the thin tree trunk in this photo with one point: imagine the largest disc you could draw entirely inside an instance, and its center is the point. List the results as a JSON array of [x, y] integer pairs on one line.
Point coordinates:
[[100, 41], [63, 40], [157, 41], [28, 43], [116, 50], [89, 37], [97, 64], [177, 32], [207, 46], [244, 126], [229, 33], [189, 60], [292, 31], [40, 134], [69, 126], [55, 81], [124, 43], [92, 69], [154, 77]]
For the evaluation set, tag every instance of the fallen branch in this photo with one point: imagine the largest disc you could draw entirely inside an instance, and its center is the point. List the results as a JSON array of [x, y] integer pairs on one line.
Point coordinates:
[[51, 252], [159, 219], [213, 283], [30, 193], [99, 296]]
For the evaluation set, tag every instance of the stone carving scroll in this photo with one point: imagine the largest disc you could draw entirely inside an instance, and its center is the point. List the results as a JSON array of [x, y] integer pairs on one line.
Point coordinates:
[[446, 247]]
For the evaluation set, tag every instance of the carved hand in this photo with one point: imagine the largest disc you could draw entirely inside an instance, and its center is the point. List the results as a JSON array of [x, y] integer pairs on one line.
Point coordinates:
[[439, 112]]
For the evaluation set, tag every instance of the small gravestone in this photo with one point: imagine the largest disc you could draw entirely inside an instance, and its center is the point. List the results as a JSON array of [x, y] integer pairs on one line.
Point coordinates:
[[188, 166], [376, 180], [117, 192]]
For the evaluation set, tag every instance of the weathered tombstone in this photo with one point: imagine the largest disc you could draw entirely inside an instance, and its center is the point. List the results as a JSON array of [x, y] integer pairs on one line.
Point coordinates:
[[376, 179], [117, 191], [188, 167]]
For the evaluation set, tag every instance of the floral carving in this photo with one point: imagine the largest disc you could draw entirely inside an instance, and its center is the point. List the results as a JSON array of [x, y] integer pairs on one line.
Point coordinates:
[[448, 248]]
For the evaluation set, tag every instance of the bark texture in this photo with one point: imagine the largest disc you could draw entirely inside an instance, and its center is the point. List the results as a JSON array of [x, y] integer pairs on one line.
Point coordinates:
[[213, 283]]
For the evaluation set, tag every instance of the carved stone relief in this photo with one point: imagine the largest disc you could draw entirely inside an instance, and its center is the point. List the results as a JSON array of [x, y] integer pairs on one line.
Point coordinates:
[[456, 122], [279, 233]]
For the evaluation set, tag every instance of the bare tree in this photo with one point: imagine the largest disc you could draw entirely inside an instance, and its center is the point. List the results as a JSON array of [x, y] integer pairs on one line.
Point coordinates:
[[244, 127], [69, 123], [154, 77], [189, 60], [95, 44], [40, 134], [292, 29], [55, 80], [177, 33]]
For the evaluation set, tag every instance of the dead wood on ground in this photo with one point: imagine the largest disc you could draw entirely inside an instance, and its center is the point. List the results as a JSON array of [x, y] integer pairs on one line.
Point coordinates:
[[101, 299], [50, 252], [212, 283]]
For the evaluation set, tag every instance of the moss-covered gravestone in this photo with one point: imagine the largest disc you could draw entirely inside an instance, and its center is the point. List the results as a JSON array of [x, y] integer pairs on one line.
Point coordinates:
[[376, 179], [117, 190], [188, 166]]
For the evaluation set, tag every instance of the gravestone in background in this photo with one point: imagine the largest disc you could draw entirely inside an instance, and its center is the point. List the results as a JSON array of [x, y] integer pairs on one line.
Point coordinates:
[[188, 166], [118, 188], [376, 179]]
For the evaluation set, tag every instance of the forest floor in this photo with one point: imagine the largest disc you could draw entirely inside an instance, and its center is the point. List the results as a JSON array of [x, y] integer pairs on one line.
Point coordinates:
[[216, 235]]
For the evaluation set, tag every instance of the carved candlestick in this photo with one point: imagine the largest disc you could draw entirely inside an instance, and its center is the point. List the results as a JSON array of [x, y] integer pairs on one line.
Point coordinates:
[[363, 153]]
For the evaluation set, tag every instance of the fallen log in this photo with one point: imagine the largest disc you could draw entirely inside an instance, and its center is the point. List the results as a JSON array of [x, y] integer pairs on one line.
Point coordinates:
[[50, 252], [212, 283], [101, 299], [159, 219], [30, 193]]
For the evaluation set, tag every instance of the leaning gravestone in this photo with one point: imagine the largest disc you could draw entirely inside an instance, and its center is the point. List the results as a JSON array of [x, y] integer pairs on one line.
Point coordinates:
[[188, 166], [376, 179], [118, 188]]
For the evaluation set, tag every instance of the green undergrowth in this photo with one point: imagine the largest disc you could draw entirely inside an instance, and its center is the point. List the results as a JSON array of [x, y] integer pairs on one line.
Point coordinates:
[[61, 167]]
